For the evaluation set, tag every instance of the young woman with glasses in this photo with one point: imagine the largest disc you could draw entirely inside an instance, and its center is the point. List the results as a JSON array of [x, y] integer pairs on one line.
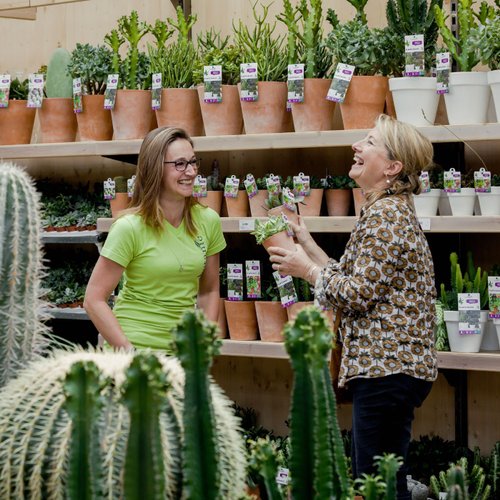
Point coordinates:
[[166, 246]]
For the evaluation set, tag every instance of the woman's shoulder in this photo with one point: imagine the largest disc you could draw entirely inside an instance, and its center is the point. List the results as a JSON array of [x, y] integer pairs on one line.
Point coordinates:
[[205, 214], [389, 204], [128, 221]]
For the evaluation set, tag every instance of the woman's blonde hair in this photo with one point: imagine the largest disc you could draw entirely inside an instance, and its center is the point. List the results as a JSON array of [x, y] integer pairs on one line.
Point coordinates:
[[404, 143], [149, 176]]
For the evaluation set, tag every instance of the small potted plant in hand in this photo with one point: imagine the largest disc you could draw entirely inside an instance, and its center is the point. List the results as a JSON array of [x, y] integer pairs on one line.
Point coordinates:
[[16, 120], [92, 65], [273, 232], [338, 194]]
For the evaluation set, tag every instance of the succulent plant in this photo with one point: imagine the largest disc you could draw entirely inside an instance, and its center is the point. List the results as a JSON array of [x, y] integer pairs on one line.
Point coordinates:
[[21, 271], [268, 227]]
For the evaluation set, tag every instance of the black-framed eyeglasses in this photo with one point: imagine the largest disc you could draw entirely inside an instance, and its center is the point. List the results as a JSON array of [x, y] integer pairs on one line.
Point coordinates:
[[181, 165]]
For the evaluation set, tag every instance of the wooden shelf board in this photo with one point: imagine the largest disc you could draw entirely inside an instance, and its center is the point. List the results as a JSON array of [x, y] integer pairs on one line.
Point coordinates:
[[73, 313], [289, 140], [438, 224], [253, 349], [76, 237]]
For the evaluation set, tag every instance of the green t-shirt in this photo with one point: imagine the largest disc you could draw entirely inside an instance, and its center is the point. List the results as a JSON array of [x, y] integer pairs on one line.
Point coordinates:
[[162, 273]]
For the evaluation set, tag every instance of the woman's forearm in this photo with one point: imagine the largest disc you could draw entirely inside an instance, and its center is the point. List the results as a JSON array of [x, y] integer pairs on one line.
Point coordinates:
[[209, 303], [315, 253]]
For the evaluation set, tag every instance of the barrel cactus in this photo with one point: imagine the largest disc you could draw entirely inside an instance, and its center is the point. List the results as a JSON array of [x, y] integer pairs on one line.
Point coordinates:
[[55, 425], [21, 328]]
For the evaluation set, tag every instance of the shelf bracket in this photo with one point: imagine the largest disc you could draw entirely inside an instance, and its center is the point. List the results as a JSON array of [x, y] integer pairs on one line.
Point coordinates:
[[458, 380]]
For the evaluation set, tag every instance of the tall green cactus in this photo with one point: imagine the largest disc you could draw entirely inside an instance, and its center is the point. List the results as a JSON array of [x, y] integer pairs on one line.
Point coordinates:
[[21, 328], [37, 433], [317, 462], [59, 82]]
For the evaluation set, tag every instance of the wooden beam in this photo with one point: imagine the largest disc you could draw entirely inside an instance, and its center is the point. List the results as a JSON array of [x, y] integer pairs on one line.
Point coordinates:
[[45, 3], [25, 4], [28, 14], [13, 4]]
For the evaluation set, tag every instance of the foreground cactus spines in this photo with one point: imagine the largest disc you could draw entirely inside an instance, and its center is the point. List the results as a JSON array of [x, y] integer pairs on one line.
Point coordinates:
[[21, 331]]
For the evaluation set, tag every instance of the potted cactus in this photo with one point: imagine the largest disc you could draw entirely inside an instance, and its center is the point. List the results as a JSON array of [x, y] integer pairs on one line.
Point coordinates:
[[92, 64], [16, 120], [57, 119]]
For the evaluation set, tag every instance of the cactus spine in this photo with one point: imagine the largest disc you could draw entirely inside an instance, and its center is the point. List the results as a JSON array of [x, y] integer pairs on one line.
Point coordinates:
[[59, 82], [21, 329], [317, 462]]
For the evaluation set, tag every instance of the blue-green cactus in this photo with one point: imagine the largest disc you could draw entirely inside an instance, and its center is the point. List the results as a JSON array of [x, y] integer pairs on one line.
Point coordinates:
[[21, 270], [59, 82]]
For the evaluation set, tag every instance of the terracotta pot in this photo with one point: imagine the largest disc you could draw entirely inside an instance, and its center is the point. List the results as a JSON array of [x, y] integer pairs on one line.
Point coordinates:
[[94, 122], [132, 115], [16, 123], [223, 118], [359, 200], [258, 204], [213, 200], [311, 206], [57, 120], [281, 239], [338, 201], [241, 319], [364, 101], [271, 317], [180, 108], [268, 113], [253, 492], [119, 203], [316, 112], [292, 216], [294, 309], [221, 320], [390, 108], [237, 207]]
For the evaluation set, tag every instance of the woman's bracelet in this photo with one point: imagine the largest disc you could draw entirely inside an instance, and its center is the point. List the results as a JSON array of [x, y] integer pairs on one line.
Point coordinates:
[[310, 273]]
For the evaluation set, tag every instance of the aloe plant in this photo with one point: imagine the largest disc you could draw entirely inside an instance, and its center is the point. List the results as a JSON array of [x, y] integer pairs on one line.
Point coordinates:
[[268, 227], [21, 270]]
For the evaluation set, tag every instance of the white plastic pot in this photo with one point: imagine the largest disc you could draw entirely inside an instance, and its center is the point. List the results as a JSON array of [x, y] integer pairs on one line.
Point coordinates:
[[489, 203], [490, 337], [494, 82], [463, 343], [462, 203], [426, 204], [468, 98], [415, 99], [496, 324]]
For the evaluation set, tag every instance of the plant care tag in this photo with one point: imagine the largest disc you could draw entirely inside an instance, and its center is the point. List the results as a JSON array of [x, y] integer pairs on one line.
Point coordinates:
[[253, 281], [35, 90], [231, 187], [469, 313], [340, 83], [200, 187], [295, 83], [273, 185], [282, 476], [425, 183], [250, 186], [4, 90], [452, 181], [109, 189], [494, 296], [249, 82], [289, 199], [482, 181], [156, 91], [288, 295], [414, 55], [77, 95], [443, 67], [110, 92], [212, 80], [301, 185], [235, 282], [130, 186]]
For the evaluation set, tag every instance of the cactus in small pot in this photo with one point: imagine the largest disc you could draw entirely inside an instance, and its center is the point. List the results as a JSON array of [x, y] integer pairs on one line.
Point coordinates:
[[59, 82], [21, 271]]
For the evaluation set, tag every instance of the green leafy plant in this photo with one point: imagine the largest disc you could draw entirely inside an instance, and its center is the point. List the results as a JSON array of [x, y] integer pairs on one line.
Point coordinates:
[[303, 289], [19, 89], [463, 47], [262, 46], [487, 38], [473, 281], [414, 17], [339, 182], [265, 228], [134, 69], [177, 61], [213, 180], [92, 64], [382, 485], [305, 37]]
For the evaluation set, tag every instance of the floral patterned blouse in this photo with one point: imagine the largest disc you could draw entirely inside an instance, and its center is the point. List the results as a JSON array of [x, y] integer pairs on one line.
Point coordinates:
[[384, 288]]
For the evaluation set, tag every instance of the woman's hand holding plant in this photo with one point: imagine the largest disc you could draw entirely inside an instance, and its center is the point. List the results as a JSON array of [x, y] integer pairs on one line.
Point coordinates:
[[297, 264], [306, 241]]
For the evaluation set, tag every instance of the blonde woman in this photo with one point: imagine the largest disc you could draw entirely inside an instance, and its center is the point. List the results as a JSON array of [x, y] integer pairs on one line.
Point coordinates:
[[383, 288], [166, 246]]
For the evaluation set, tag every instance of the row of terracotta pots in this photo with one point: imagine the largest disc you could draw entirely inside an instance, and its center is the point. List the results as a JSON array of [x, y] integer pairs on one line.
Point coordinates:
[[132, 116], [338, 203]]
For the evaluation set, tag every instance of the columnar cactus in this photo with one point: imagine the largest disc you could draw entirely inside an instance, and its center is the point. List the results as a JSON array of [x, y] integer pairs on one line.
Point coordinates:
[[126, 426], [317, 462], [21, 331]]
